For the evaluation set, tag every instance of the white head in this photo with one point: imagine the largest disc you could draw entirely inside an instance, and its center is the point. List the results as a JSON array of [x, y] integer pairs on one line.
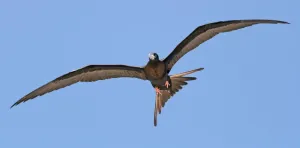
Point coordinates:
[[153, 56]]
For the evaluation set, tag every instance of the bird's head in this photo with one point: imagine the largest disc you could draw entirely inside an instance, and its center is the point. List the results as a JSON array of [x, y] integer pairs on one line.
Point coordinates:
[[153, 56]]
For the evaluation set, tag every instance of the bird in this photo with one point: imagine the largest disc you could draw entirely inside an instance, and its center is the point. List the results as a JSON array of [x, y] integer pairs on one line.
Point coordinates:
[[156, 70]]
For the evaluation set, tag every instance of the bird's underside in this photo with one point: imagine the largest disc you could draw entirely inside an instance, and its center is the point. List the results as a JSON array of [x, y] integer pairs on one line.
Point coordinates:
[[177, 82], [155, 69]]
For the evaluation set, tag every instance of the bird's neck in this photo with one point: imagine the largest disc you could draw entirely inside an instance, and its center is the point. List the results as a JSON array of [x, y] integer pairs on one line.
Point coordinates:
[[153, 61]]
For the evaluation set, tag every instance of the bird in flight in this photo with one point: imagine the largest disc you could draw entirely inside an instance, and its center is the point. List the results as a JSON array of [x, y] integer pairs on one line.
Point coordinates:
[[156, 70]]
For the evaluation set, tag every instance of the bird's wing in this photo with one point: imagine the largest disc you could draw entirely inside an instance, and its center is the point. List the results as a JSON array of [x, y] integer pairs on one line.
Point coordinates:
[[178, 81], [206, 32], [86, 74]]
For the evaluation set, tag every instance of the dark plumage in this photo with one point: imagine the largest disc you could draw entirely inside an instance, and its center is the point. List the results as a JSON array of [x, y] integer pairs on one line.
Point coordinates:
[[156, 71]]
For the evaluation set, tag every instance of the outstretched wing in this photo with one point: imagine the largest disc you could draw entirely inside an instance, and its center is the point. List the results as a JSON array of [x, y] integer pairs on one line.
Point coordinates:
[[86, 74], [206, 32]]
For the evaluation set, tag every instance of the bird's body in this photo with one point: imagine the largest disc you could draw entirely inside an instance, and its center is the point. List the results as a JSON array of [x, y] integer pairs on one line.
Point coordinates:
[[156, 71]]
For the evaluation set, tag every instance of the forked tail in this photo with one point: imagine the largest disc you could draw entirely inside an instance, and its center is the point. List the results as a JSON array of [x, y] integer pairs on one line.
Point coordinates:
[[177, 81]]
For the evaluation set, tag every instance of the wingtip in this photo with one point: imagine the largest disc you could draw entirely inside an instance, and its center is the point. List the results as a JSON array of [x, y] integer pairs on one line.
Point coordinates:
[[283, 22], [272, 21], [279, 22], [15, 104]]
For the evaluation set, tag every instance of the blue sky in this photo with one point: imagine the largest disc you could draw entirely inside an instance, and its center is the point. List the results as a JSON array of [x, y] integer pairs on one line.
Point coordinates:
[[247, 96]]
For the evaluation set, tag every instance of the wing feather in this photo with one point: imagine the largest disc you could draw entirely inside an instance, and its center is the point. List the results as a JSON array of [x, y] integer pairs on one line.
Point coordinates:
[[86, 74], [208, 31]]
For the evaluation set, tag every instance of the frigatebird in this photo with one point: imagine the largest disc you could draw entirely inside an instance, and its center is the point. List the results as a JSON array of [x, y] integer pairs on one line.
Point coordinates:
[[156, 70]]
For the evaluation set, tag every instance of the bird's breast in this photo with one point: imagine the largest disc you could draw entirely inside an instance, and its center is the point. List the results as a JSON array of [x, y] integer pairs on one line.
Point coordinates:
[[155, 70]]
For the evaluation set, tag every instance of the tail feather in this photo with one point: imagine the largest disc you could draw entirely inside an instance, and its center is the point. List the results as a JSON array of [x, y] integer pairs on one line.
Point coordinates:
[[186, 73], [177, 81]]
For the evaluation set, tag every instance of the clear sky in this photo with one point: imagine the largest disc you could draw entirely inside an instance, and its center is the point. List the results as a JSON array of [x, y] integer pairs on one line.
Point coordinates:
[[247, 96]]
